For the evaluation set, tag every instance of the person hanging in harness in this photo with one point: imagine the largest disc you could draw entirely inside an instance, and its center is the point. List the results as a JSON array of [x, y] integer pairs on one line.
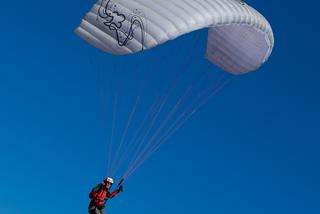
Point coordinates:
[[100, 194]]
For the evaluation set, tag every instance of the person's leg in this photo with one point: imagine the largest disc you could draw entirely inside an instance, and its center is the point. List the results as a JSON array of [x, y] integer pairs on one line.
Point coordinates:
[[103, 211], [93, 210]]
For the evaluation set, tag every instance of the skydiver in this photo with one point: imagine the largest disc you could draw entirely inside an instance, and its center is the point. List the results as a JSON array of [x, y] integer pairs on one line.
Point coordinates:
[[100, 194]]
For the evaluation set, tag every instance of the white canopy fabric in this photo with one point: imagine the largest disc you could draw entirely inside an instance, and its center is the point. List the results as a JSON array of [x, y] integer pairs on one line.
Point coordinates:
[[240, 39]]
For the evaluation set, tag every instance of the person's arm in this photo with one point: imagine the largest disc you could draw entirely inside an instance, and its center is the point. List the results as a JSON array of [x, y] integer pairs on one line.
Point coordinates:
[[116, 192]]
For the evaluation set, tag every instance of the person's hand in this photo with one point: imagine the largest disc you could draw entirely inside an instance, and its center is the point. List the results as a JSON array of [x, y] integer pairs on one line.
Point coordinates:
[[120, 189]]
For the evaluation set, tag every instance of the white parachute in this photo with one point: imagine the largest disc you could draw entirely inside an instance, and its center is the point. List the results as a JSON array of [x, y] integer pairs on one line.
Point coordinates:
[[240, 39]]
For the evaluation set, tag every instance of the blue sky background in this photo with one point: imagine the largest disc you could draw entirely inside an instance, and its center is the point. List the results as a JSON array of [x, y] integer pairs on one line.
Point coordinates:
[[254, 148]]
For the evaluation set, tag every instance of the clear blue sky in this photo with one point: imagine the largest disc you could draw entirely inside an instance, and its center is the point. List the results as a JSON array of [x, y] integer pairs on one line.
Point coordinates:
[[253, 149]]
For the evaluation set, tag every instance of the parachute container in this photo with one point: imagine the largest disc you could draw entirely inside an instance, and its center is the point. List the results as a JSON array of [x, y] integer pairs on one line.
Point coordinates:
[[240, 39]]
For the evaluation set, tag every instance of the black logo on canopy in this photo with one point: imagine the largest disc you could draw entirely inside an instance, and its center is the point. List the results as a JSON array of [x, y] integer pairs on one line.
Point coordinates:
[[126, 26]]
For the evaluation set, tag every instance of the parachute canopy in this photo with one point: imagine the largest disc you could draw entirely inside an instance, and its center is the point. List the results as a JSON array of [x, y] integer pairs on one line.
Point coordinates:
[[240, 39]]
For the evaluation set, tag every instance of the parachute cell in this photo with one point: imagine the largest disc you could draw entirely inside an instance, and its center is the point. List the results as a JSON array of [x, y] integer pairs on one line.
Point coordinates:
[[240, 39]]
